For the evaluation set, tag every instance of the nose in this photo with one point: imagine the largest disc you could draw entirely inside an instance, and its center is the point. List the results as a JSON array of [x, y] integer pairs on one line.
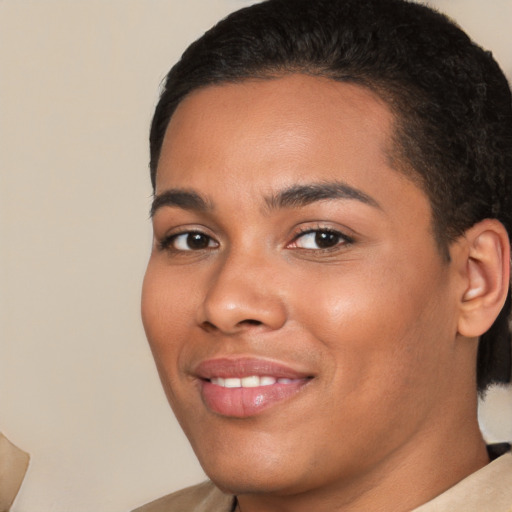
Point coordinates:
[[242, 294]]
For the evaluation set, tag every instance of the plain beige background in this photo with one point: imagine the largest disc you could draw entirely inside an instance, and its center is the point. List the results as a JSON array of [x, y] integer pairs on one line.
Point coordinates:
[[78, 82]]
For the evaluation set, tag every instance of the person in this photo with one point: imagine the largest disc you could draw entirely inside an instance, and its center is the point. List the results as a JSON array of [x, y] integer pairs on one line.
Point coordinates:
[[329, 284], [13, 466]]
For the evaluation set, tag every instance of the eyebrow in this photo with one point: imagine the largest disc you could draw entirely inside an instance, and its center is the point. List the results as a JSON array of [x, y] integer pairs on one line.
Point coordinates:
[[303, 195], [180, 198], [295, 196]]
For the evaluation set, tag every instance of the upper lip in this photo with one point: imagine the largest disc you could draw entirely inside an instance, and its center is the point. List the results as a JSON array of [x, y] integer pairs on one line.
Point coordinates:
[[245, 367]]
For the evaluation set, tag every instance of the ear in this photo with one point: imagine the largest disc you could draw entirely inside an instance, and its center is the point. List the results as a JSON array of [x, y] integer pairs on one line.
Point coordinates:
[[486, 274]]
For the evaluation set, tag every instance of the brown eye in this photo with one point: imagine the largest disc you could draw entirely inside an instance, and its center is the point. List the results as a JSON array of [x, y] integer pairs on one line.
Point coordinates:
[[320, 239], [325, 239], [192, 241]]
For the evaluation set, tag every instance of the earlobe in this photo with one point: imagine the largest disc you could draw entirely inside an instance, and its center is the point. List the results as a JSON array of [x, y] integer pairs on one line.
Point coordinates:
[[487, 277]]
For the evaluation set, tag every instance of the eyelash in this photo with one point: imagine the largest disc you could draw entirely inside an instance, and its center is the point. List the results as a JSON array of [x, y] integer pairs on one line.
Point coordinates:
[[166, 244], [343, 239]]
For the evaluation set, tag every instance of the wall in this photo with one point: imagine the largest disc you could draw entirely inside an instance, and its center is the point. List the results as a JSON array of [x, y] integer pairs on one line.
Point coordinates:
[[78, 388]]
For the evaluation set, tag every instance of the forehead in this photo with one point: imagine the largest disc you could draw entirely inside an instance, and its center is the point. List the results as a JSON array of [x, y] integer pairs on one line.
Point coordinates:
[[297, 119], [239, 144]]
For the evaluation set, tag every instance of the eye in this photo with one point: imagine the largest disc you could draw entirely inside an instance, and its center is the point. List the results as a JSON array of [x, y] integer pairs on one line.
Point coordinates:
[[315, 239], [189, 241]]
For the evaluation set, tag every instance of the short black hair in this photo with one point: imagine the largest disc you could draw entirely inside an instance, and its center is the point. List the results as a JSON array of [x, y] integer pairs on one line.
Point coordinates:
[[451, 101]]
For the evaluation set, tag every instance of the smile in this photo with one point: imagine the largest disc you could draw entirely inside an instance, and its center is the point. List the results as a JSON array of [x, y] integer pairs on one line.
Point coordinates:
[[253, 381], [241, 388]]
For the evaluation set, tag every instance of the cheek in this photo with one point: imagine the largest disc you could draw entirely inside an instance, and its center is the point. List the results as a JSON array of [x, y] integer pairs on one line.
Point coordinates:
[[380, 328], [169, 296], [166, 313], [166, 316], [381, 345]]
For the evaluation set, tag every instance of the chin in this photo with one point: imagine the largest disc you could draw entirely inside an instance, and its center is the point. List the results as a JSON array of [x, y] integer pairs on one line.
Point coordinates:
[[245, 473], [239, 484]]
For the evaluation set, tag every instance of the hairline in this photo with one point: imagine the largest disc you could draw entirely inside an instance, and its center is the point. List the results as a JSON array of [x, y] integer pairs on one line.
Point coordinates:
[[381, 89]]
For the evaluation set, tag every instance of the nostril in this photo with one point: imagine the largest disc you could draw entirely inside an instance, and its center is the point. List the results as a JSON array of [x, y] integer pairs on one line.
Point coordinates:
[[250, 322], [208, 326]]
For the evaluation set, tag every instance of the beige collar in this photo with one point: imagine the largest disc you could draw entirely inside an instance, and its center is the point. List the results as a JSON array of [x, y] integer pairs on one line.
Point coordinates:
[[487, 490]]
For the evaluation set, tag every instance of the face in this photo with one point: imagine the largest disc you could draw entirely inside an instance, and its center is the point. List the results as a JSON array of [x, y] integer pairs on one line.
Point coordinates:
[[301, 316]]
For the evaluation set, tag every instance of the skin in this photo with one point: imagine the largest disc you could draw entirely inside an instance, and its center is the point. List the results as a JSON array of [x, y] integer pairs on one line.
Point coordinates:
[[387, 420]]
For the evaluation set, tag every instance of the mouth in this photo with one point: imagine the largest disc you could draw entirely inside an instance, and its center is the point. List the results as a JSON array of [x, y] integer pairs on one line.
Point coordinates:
[[243, 388], [252, 381]]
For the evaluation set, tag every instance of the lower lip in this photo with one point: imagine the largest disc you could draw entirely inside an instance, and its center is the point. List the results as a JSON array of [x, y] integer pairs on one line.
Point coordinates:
[[245, 402]]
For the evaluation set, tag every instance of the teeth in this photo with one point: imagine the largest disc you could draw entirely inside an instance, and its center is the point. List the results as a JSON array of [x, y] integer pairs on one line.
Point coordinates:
[[253, 381], [232, 383]]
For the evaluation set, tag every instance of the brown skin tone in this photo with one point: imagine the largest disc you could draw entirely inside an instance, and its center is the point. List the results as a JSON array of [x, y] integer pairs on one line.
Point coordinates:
[[388, 419]]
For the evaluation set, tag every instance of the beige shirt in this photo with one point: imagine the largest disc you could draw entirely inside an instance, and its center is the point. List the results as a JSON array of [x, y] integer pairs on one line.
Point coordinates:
[[13, 465], [487, 490]]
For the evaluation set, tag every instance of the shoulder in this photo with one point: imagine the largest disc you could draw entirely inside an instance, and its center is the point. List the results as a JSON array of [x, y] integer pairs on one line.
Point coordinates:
[[204, 497]]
